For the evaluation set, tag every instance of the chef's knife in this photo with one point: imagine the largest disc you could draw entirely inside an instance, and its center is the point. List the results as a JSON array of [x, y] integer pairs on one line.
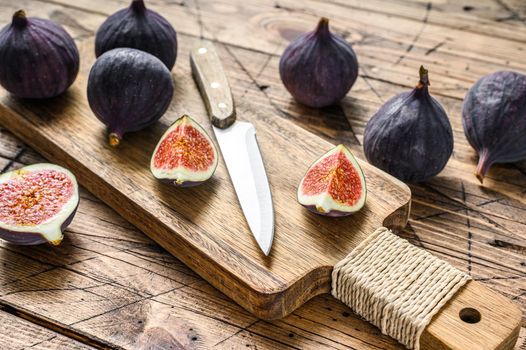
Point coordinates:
[[237, 141]]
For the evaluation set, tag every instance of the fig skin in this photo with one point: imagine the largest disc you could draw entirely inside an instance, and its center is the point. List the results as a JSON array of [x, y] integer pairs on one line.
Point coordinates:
[[494, 119], [182, 176], [138, 28], [128, 90], [52, 228], [319, 68], [38, 58], [410, 136]]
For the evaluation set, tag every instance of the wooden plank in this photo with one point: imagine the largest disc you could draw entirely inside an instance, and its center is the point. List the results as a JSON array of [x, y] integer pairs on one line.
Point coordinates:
[[358, 107], [215, 247], [459, 205], [390, 48], [221, 250], [323, 316], [492, 18], [20, 334], [109, 281]]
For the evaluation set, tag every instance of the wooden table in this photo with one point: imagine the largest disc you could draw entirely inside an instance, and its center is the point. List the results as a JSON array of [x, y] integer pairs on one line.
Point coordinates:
[[109, 286]]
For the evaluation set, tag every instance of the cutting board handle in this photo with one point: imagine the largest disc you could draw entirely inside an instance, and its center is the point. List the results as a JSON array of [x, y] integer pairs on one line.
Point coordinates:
[[420, 300], [213, 84], [474, 318]]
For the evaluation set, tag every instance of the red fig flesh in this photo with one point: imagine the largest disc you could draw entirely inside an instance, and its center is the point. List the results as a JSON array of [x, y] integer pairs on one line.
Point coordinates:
[[37, 203], [334, 185], [185, 156]]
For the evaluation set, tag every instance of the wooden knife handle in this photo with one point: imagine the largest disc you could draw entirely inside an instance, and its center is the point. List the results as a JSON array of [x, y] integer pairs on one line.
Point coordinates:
[[212, 81]]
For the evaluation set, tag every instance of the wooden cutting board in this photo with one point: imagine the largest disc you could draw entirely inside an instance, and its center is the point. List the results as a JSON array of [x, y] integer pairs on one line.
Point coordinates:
[[204, 226]]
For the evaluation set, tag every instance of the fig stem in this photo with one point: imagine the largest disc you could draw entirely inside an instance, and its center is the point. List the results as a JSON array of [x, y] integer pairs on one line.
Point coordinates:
[[138, 6], [323, 26], [483, 166], [424, 78], [19, 19], [56, 242], [114, 139]]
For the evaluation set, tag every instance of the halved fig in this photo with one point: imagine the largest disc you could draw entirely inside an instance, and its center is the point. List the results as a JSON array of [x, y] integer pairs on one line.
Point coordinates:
[[185, 156], [334, 185], [37, 203]]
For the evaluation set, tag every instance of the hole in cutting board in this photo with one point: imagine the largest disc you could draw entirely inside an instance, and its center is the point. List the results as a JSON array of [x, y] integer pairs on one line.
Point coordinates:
[[470, 315]]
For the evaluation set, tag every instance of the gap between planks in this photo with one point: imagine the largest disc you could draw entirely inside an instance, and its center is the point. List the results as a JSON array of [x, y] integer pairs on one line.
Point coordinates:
[[56, 327]]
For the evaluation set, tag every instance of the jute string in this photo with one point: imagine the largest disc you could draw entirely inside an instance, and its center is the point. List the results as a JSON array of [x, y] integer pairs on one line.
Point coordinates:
[[395, 285]]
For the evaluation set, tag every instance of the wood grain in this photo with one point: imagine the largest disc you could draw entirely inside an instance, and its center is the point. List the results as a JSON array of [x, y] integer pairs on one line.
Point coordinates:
[[478, 229], [496, 323], [110, 282], [18, 333], [204, 226]]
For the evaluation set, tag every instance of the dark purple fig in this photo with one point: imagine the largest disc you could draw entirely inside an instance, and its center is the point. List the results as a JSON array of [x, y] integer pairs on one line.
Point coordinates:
[[410, 136], [334, 185], [318, 68], [185, 155], [37, 203], [494, 119], [38, 59], [139, 28], [128, 90]]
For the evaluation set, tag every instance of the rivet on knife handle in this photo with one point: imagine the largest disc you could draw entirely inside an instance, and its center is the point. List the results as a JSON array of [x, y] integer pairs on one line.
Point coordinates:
[[213, 84]]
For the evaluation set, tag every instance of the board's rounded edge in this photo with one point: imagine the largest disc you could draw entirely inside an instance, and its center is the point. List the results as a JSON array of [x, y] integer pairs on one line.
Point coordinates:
[[398, 219], [280, 303], [398, 191]]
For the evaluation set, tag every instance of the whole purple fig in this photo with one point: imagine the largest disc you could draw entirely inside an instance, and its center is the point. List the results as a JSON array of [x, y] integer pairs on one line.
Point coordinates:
[[38, 58], [319, 68], [128, 90], [139, 28], [410, 136], [494, 119]]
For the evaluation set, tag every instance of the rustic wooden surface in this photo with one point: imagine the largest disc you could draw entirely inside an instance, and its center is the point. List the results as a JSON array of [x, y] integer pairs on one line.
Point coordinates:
[[130, 291], [204, 225]]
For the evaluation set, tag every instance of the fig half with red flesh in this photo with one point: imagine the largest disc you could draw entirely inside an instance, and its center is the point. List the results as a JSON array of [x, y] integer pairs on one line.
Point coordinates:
[[185, 156], [334, 185], [37, 203]]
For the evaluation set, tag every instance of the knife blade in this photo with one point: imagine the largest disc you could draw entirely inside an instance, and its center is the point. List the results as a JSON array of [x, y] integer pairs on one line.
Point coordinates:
[[238, 144]]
